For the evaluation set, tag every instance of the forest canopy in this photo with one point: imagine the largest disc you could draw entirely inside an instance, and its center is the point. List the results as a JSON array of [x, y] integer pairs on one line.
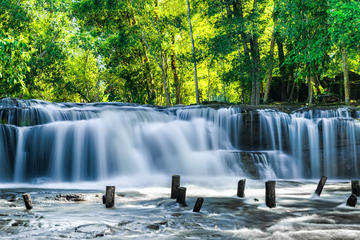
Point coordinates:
[[168, 52]]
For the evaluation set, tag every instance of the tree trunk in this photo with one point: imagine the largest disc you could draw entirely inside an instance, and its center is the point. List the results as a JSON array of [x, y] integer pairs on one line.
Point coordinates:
[[255, 93], [346, 76], [241, 82], [282, 68], [209, 84], [148, 76], [160, 64], [270, 68], [168, 103], [310, 89], [85, 80], [193, 53], [255, 55], [292, 81], [175, 73], [238, 11]]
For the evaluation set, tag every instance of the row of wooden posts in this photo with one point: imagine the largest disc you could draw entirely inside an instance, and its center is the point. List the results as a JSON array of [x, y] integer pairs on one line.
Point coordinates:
[[179, 193]]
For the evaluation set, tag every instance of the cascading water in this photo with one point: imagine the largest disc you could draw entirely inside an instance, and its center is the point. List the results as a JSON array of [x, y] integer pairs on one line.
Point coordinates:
[[77, 142]]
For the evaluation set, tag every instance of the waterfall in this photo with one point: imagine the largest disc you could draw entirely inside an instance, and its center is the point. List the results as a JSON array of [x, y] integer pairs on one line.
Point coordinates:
[[90, 142]]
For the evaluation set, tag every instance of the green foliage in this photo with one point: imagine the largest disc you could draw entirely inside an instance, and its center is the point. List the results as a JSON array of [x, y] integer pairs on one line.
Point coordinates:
[[115, 50], [14, 60]]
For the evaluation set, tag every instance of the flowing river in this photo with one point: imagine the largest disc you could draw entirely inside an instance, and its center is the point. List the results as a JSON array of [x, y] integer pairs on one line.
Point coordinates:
[[52, 150]]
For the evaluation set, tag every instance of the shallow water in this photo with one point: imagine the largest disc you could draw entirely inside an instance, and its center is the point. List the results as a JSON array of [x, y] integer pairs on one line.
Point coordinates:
[[148, 212]]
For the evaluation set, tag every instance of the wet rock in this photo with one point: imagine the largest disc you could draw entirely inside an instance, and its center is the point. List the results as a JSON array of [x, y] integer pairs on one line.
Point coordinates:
[[156, 226], [12, 205], [124, 223], [153, 227], [12, 199], [70, 197], [352, 200], [22, 223], [95, 230]]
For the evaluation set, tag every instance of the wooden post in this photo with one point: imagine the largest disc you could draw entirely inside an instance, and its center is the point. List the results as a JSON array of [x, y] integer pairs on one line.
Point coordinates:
[[181, 196], [241, 188], [270, 198], [104, 199], [174, 185], [355, 187], [110, 196], [352, 200], [198, 204], [27, 201], [321, 185]]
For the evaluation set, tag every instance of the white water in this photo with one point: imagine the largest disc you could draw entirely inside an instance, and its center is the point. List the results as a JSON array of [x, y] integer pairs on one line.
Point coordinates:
[[80, 142]]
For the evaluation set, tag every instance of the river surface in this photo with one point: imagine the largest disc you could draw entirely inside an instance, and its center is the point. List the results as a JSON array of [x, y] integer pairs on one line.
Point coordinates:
[[52, 149], [149, 213]]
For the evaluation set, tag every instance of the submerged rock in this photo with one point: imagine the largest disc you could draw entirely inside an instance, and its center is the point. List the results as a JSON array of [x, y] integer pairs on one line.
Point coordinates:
[[22, 223], [70, 197], [156, 226], [94, 230]]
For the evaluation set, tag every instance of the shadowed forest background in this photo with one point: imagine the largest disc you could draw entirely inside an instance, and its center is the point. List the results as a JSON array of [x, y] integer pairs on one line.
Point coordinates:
[[168, 52]]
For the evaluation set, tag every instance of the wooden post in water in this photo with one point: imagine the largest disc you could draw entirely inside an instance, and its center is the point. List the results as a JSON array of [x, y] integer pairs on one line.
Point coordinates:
[[104, 199], [352, 200], [270, 198], [321, 185], [241, 188], [174, 185], [355, 187], [181, 196], [198, 204], [27, 201], [110, 196]]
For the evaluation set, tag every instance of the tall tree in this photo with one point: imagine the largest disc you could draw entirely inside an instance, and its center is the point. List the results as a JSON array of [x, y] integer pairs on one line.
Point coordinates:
[[344, 18], [307, 33], [194, 54]]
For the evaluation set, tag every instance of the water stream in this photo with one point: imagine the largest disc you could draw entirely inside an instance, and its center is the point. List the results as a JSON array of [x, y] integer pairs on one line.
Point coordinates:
[[52, 148]]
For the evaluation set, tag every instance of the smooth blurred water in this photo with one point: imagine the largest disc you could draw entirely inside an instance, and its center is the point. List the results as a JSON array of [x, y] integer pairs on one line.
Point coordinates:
[[149, 213], [68, 142]]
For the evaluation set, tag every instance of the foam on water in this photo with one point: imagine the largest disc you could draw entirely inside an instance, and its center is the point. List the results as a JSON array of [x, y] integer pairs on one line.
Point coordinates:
[[65, 142]]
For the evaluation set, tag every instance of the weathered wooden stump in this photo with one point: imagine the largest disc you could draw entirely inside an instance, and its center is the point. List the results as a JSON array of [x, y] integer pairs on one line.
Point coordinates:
[[110, 196], [174, 185], [352, 200], [104, 199], [270, 197], [241, 188], [321, 185], [181, 196], [355, 187], [198, 204], [27, 201]]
